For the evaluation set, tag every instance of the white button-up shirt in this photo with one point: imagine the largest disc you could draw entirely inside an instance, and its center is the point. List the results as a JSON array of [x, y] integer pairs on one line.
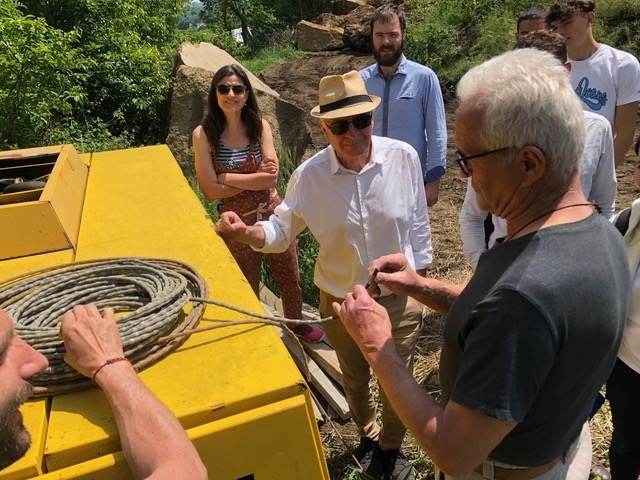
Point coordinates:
[[356, 217]]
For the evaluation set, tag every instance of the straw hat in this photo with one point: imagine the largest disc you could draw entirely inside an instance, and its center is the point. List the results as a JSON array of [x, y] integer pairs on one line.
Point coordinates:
[[344, 96]]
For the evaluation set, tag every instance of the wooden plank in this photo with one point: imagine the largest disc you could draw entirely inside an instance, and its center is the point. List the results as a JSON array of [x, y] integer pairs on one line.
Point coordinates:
[[321, 381], [326, 358], [320, 352]]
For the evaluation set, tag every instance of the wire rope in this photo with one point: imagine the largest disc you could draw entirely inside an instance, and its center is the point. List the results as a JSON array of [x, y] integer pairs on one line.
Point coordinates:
[[149, 296]]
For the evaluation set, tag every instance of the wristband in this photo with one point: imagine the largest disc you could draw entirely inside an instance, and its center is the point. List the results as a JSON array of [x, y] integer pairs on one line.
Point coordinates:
[[109, 362]]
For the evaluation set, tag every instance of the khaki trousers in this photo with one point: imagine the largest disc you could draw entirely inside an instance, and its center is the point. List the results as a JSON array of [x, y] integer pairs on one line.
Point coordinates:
[[405, 314]]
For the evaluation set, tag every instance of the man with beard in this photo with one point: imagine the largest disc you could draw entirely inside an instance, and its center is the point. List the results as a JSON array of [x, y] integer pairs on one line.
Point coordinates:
[[93, 347], [412, 108], [18, 363]]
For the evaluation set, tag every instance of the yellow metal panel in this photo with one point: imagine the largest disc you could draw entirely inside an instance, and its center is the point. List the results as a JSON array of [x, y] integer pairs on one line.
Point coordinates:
[[108, 467], [273, 442], [138, 203], [34, 229], [35, 420], [65, 190], [17, 266], [75, 421], [214, 374]]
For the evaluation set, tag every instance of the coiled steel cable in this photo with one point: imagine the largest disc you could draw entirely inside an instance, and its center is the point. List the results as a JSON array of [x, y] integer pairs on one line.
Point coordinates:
[[151, 291]]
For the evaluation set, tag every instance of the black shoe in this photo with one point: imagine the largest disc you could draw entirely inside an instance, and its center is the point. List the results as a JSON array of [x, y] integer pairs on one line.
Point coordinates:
[[370, 459], [396, 465]]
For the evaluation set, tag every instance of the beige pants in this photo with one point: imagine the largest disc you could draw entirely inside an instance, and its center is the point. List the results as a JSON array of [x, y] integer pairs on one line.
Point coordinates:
[[405, 314]]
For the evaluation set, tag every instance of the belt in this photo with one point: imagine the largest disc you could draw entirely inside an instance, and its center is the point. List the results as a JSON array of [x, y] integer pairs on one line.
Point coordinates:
[[494, 472]]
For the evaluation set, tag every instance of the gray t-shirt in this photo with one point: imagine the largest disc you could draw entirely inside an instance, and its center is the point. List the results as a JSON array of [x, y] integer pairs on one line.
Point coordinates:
[[535, 334]]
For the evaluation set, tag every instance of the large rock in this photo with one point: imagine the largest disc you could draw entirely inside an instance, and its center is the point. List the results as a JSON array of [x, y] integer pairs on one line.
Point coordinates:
[[342, 7], [194, 68], [313, 37], [354, 25]]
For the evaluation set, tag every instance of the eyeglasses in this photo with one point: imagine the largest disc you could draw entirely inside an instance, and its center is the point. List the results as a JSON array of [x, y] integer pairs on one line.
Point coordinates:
[[462, 160], [359, 121], [224, 89]]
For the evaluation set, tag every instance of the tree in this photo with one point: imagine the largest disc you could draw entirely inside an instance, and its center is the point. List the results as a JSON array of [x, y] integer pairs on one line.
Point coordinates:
[[131, 45], [40, 78], [250, 16]]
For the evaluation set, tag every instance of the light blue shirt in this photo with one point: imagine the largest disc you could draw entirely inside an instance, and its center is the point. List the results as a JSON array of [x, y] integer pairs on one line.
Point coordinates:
[[411, 110]]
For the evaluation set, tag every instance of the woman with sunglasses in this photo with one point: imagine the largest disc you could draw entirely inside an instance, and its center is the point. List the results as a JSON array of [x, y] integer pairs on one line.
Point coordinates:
[[236, 163]]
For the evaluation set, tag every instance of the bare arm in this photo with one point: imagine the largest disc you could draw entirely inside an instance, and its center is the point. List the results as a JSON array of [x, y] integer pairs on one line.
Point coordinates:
[[206, 174], [455, 437], [625, 124], [396, 274], [153, 441], [230, 226], [267, 175]]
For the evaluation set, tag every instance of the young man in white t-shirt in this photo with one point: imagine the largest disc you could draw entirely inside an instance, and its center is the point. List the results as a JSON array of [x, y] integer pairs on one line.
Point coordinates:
[[607, 80]]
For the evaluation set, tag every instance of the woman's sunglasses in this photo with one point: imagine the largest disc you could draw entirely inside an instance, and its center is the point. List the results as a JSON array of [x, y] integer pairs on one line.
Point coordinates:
[[359, 121], [225, 89]]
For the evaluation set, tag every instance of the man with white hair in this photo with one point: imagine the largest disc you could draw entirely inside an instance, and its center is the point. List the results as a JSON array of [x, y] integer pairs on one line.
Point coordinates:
[[597, 168], [529, 341], [361, 197]]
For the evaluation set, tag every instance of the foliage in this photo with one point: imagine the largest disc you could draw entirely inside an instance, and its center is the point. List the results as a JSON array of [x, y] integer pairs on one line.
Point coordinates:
[[39, 79], [451, 36], [618, 23], [190, 15], [258, 61], [76, 68], [251, 16]]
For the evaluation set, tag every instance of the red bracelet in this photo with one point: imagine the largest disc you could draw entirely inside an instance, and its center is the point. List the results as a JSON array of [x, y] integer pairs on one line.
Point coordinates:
[[109, 362]]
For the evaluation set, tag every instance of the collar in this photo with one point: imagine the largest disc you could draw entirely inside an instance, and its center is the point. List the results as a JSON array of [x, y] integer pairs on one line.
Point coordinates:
[[402, 67]]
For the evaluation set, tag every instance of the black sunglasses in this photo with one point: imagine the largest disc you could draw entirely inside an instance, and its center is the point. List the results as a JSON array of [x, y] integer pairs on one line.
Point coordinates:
[[359, 121], [462, 160], [224, 89]]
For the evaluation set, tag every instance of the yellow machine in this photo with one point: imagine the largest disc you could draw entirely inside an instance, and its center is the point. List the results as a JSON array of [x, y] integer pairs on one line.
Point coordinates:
[[235, 390]]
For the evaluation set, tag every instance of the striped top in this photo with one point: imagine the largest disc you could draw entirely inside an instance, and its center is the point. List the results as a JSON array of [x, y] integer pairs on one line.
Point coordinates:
[[232, 158]]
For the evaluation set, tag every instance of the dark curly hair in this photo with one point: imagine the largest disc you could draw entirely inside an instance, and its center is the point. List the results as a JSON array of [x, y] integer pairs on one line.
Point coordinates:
[[215, 121], [563, 9]]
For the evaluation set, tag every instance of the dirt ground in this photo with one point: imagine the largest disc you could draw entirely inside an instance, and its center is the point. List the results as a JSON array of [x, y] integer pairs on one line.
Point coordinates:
[[297, 81]]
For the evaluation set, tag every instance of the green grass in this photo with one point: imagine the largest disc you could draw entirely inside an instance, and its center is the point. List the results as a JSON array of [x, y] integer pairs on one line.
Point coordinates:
[[258, 61]]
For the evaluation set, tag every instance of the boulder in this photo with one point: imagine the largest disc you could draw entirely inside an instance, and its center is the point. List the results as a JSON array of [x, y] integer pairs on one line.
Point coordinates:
[[355, 25], [313, 37], [194, 68], [342, 7], [357, 32]]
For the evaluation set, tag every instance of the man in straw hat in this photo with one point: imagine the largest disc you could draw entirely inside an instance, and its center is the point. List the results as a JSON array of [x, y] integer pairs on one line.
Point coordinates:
[[361, 197], [531, 338]]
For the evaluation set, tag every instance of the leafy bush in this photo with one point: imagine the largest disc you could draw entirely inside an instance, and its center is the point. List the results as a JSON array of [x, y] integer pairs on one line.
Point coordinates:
[[451, 36], [40, 85]]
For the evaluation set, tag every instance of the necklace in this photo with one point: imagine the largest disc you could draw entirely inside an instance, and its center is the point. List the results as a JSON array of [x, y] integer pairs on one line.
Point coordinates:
[[545, 214]]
